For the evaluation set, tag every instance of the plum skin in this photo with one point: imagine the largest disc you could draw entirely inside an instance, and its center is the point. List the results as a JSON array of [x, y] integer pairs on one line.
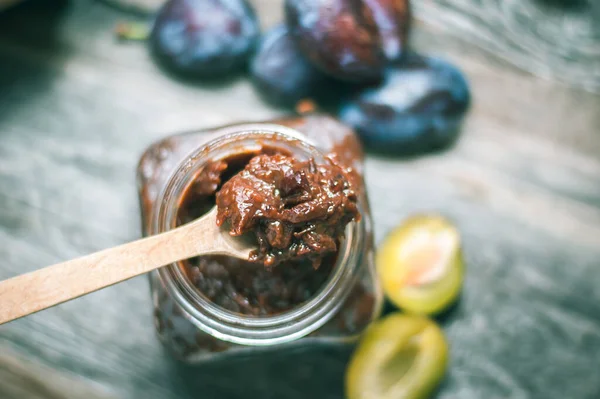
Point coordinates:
[[204, 38], [418, 107], [352, 40], [281, 73]]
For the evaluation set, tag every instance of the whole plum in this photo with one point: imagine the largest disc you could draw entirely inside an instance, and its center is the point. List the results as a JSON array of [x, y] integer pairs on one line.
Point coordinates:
[[281, 74], [418, 107], [204, 38], [351, 40]]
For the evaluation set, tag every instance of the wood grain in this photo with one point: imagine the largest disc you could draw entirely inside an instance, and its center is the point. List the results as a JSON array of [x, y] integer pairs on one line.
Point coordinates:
[[77, 110], [559, 40], [24, 379]]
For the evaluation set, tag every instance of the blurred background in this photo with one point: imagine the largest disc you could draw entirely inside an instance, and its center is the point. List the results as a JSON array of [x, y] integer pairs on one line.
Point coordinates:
[[79, 105]]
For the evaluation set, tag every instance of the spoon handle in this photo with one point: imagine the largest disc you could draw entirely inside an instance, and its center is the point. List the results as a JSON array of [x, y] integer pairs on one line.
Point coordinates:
[[41, 289]]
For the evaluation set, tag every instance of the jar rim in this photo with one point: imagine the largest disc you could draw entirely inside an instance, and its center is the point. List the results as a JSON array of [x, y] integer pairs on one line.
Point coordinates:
[[226, 325]]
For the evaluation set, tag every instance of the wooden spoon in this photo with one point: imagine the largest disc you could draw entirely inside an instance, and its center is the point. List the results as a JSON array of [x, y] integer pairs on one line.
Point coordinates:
[[41, 289]]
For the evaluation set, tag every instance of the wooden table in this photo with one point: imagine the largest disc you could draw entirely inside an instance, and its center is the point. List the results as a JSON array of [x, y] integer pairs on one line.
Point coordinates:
[[77, 109]]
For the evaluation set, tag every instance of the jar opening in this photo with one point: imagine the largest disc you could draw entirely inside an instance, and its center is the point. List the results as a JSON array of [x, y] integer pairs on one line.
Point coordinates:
[[227, 325]]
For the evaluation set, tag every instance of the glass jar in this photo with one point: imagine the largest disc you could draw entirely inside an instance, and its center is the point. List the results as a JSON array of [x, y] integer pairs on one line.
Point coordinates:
[[196, 329]]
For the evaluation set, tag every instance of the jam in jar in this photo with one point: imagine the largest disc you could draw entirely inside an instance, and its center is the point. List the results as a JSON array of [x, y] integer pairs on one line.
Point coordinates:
[[220, 306]]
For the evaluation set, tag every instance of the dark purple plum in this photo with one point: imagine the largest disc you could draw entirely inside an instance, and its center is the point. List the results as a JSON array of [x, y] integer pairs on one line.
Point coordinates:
[[204, 38], [281, 74], [350, 40], [418, 107]]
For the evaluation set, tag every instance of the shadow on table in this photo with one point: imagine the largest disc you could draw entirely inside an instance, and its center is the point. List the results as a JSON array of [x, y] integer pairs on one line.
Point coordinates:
[[28, 36], [315, 372], [300, 373], [565, 4]]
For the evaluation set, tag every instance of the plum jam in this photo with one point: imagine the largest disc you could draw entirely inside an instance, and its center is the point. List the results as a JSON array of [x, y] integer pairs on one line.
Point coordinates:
[[296, 210], [321, 287]]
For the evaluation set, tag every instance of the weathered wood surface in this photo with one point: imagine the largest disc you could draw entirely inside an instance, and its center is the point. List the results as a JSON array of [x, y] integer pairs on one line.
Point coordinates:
[[22, 378], [557, 39], [77, 109]]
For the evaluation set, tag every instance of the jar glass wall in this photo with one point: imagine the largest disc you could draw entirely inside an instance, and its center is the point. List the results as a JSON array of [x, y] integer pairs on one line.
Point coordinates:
[[195, 329]]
